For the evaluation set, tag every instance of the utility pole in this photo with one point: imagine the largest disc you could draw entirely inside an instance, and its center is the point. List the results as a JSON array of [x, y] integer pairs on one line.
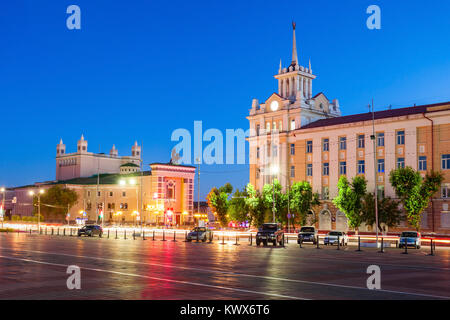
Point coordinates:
[[198, 186], [373, 137]]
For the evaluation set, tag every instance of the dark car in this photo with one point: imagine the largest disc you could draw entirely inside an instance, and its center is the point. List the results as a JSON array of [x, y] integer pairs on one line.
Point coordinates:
[[90, 230], [307, 234], [270, 232]]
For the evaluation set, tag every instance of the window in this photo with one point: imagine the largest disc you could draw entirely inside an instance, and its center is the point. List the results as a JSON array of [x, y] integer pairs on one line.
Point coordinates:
[[292, 171], [361, 142], [274, 126], [326, 169], [257, 129], [342, 143], [401, 137], [257, 173], [342, 167], [445, 192], [400, 163], [124, 194], [325, 193], [275, 150], [309, 170], [308, 146], [267, 126], [422, 163], [445, 161], [292, 124], [326, 144], [99, 193], [292, 149], [257, 153], [361, 167], [111, 194], [279, 126], [380, 165], [88, 193], [380, 140]]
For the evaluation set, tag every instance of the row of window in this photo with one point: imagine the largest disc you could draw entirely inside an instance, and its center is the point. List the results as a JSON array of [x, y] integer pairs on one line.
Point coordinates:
[[343, 142], [273, 126], [110, 193]]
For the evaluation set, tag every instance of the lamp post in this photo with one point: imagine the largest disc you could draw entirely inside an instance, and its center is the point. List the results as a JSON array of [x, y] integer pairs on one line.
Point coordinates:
[[2, 190], [31, 193]]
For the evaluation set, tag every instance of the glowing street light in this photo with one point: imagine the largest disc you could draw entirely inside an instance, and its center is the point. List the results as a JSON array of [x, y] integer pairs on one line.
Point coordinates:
[[31, 193]]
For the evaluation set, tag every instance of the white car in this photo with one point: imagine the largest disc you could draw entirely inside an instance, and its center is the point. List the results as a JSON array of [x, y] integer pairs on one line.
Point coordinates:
[[333, 237], [410, 238]]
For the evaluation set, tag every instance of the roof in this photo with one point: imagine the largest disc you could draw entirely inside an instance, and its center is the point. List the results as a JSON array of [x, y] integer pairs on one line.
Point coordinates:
[[105, 178], [171, 164], [368, 116], [129, 164]]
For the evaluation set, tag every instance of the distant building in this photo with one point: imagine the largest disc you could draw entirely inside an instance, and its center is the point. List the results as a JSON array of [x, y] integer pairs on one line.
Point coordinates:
[[81, 164]]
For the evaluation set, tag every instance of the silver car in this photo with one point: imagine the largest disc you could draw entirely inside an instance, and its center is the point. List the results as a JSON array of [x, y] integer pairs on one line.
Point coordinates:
[[199, 233], [333, 237], [410, 239]]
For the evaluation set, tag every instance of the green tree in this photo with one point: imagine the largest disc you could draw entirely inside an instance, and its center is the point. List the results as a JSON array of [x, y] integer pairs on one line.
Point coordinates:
[[280, 201], [414, 192], [255, 205], [350, 199], [218, 201], [238, 208], [55, 202], [302, 199], [388, 211]]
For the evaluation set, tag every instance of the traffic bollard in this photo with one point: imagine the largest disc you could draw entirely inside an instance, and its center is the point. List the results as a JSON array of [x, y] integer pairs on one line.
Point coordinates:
[[223, 238], [339, 243], [382, 245], [174, 236], [134, 235], [70, 231], [211, 237], [30, 230], [301, 240], [283, 241], [359, 244], [197, 235], [164, 235], [153, 237], [237, 240], [406, 247], [108, 233], [431, 248], [317, 242], [125, 234], [251, 239], [116, 234], [185, 236], [57, 232], [143, 235], [287, 239], [64, 232]]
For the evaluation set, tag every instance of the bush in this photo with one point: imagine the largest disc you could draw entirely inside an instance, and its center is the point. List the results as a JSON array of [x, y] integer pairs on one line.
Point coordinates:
[[6, 230], [15, 218]]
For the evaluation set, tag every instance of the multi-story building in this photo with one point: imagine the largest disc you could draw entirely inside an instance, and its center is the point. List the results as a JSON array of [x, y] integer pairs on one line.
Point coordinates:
[[116, 187], [306, 139]]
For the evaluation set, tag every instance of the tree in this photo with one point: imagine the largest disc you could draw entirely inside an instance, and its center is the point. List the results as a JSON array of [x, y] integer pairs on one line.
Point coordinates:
[[218, 201], [280, 201], [302, 200], [255, 205], [414, 192], [350, 199], [388, 211], [55, 202], [238, 208]]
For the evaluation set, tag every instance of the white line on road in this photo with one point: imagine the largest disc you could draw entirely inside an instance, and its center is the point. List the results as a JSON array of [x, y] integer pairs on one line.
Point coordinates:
[[159, 279], [235, 274]]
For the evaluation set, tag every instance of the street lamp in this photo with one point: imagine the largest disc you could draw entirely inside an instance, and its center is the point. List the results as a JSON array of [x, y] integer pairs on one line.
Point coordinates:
[[31, 193], [275, 169], [2, 190]]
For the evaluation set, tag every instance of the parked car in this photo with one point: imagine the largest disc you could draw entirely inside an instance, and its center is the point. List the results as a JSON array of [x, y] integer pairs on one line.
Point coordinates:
[[270, 232], [90, 230], [410, 238], [333, 237], [307, 234], [200, 233]]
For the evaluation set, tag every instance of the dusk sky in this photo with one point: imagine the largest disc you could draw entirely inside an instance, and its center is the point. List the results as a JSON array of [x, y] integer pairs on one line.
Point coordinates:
[[138, 70]]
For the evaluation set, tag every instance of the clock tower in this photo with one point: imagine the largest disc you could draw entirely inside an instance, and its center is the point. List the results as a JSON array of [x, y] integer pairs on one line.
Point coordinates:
[[273, 123]]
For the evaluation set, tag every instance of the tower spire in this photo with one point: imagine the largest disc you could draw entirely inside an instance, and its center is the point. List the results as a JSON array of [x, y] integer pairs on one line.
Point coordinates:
[[279, 69], [294, 47]]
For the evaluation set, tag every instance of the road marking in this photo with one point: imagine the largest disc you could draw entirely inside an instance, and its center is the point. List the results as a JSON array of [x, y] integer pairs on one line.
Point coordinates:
[[159, 279], [236, 274]]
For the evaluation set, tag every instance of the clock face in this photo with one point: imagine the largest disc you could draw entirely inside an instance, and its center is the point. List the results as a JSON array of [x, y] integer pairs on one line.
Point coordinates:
[[274, 106]]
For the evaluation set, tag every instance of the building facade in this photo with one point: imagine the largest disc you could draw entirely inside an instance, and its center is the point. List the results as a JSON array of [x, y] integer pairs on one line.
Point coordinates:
[[306, 139]]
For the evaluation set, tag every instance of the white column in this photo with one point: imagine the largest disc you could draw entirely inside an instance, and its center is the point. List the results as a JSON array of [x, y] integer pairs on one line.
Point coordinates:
[[310, 88], [279, 86], [302, 92]]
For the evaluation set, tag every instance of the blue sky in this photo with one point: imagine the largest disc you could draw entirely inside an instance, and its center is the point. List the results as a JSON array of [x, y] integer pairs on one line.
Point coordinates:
[[137, 70]]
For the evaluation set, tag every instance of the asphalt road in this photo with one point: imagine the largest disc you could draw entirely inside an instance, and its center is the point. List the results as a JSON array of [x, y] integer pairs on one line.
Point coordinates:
[[34, 267]]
